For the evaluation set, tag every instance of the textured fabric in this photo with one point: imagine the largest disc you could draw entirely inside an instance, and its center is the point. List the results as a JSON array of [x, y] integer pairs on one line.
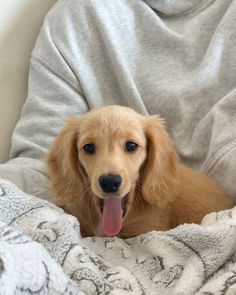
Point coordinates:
[[25, 265], [20, 23], [190, 259], [174, 58]]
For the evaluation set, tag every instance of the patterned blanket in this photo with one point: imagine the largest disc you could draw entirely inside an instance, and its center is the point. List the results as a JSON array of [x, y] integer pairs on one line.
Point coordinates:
[[42, 252]]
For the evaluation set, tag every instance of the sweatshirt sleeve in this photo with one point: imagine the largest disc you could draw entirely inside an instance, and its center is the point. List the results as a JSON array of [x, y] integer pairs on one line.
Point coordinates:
[[54, 94]]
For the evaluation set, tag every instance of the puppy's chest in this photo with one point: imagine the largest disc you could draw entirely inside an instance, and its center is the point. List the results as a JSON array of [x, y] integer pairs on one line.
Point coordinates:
[[97, 230], [144, 225]]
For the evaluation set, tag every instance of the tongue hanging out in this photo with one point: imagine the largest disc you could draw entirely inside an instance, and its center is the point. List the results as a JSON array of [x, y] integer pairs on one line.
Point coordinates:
[[112, 216]]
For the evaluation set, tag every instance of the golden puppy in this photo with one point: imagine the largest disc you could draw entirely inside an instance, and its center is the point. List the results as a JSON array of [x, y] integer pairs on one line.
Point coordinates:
[[118, 172]]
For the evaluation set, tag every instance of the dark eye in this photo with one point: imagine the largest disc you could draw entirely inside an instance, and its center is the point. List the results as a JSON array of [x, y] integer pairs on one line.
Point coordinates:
[[131, 146], [90, 148]]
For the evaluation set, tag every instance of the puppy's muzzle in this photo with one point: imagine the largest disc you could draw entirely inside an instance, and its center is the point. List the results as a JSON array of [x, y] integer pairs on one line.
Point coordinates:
[[110, 183]]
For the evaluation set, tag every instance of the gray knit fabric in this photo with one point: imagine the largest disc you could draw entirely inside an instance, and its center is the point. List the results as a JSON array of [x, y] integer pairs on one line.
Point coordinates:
[[172, 58]]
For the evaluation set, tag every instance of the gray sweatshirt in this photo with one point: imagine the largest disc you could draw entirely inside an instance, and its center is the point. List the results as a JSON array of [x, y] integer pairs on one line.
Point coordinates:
[[172, 58]]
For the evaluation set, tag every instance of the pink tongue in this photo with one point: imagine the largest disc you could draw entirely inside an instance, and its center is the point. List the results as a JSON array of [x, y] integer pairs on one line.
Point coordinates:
[[112, 216]]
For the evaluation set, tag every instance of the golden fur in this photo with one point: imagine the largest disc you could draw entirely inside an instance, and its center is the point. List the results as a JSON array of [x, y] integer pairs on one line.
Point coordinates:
[[162, 192]]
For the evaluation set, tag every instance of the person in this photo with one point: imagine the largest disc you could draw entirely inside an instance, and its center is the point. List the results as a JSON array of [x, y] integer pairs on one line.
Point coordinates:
[[172, 58]]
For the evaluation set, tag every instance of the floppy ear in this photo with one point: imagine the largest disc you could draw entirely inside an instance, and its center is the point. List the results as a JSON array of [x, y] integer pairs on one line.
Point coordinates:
[[160, 175], [63, 164]]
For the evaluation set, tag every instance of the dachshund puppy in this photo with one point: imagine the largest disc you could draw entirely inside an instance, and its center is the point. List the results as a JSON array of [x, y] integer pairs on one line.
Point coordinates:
[[118, 172]]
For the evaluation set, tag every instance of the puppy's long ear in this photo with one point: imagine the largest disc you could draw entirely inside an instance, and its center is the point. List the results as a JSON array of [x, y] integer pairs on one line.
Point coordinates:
[[63, 164], [160, 175]]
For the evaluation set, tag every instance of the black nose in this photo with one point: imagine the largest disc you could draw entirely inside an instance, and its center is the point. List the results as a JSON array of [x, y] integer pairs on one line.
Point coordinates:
[[110, 183]]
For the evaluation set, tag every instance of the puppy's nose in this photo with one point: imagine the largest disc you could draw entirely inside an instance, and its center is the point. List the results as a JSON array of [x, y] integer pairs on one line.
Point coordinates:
[[110, 183]]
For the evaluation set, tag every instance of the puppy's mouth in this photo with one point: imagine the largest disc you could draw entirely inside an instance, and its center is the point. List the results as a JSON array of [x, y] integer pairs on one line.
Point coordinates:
[[113, 210], [124, 202]]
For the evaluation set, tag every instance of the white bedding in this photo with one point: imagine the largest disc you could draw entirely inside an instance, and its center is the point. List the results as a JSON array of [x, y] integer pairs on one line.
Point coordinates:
[[42, 252]]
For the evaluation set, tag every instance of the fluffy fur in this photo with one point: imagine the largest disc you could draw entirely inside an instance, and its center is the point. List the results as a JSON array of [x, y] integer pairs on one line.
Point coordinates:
[[162, 193]]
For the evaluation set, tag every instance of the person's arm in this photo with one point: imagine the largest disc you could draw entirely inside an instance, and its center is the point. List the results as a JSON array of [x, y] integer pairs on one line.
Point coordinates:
[[54, 94]]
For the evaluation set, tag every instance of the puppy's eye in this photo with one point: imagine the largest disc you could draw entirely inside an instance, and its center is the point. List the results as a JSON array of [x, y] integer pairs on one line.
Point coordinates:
[[131, 146], [90, 148]]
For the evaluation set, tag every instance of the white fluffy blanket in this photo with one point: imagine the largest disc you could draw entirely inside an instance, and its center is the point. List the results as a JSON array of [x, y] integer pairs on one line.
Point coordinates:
[[42, 252]]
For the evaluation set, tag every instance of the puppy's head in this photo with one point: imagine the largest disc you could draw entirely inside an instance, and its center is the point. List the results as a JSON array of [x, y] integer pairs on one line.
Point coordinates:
[[110, 153]]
